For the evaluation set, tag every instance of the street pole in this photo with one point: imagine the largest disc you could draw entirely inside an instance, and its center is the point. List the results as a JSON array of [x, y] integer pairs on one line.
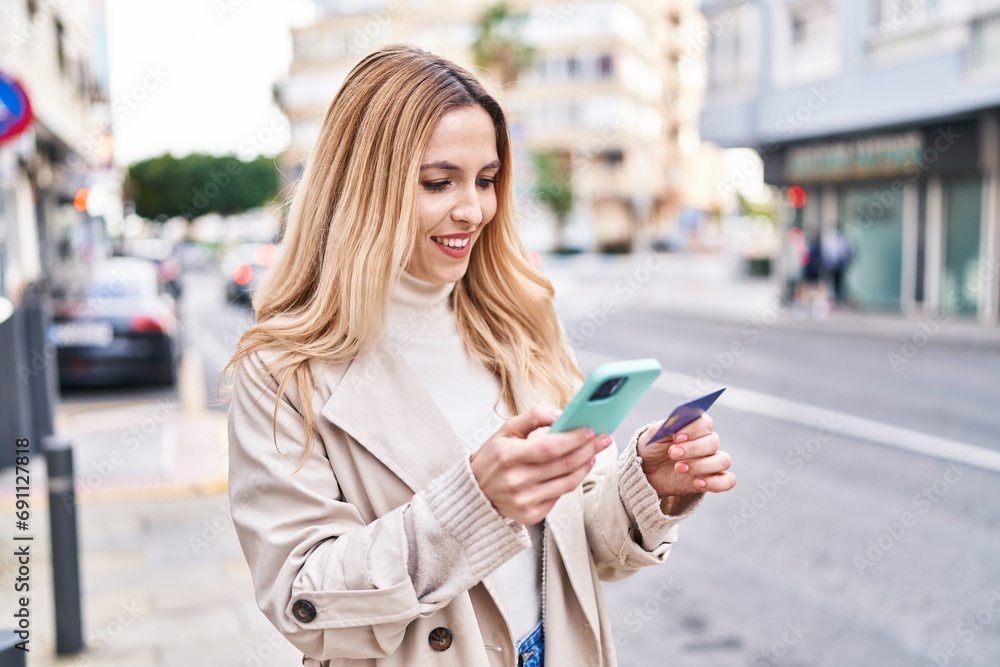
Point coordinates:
[[65, 548]]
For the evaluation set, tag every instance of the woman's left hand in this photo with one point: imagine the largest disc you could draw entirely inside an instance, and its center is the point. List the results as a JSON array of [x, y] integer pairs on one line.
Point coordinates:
[[688, 462]]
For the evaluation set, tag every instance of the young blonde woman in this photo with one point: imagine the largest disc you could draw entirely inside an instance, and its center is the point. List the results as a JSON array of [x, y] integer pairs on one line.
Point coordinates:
[[387, 495]]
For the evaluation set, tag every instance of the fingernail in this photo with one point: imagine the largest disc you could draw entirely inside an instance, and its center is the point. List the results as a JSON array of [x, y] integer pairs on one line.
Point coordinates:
[[682, 467], [606, 441], [593, 461], [556, 412], [680, 437], [589, 433], [676, 452], [700, 484]]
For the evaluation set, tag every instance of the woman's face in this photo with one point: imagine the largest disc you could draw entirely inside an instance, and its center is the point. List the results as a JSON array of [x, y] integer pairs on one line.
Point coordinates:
[[456, 196]]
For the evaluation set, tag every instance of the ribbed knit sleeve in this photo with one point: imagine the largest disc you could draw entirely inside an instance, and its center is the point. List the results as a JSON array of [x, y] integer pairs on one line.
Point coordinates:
[[654, 519], [456, 537]]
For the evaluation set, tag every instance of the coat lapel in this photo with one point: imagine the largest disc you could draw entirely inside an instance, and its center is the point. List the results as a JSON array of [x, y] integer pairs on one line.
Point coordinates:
[[382, 404]]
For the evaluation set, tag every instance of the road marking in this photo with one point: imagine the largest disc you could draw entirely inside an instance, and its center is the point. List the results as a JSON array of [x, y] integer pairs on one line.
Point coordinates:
[[804, 414]]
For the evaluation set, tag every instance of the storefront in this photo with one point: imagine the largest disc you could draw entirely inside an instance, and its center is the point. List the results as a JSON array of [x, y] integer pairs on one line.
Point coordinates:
[[918, 205]]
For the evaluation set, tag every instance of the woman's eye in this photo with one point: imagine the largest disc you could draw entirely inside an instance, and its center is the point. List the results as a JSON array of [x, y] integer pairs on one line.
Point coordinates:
[[486, 182], [435, 186]]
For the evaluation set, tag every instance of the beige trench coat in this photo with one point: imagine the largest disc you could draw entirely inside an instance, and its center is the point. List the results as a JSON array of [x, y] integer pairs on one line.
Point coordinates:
[[329, 537]]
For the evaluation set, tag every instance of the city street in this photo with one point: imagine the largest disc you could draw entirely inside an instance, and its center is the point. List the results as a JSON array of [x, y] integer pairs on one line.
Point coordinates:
[[863, 530]]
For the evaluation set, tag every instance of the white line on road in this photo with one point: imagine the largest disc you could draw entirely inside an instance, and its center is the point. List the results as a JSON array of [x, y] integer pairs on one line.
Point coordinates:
[[813, 416]]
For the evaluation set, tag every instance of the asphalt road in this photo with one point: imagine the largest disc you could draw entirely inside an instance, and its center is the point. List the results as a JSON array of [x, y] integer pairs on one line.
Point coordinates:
[[834, 549], [841, 545]]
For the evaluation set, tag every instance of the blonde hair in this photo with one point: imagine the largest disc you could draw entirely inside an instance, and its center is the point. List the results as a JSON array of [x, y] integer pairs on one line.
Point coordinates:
[[353, 224]]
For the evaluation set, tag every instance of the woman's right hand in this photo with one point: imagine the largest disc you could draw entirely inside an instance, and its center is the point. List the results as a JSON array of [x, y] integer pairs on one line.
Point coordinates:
[[524, 478]]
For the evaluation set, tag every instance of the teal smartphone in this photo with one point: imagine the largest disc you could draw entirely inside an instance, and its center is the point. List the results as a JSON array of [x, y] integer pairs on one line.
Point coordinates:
[[608, 394]]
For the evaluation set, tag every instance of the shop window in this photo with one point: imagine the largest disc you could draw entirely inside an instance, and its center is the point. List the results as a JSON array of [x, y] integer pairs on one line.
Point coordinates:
[[960, 284], [872, 217]]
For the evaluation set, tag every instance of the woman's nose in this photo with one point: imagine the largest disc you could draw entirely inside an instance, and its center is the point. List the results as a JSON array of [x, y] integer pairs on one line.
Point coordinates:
[[468, 208]]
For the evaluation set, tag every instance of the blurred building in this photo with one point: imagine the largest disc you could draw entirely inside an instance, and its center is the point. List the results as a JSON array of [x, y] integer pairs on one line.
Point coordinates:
[[887, 114], [609, 93], [55, 52]]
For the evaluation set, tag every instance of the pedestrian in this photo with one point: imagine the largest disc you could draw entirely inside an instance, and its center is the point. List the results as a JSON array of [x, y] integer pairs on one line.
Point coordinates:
[[384, 488], [837, 254]]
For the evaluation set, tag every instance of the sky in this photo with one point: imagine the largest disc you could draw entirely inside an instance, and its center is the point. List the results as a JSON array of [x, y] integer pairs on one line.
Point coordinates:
[[197, 75]]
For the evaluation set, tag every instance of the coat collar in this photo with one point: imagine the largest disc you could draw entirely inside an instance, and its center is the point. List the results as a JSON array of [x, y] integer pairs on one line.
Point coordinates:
[[381, 403]]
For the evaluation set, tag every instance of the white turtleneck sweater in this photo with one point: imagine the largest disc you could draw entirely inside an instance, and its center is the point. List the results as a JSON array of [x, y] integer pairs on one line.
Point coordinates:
[[465, 392], [455, 536]]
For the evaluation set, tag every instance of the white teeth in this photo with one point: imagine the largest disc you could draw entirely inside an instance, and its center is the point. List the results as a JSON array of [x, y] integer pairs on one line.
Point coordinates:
[[452, 243]]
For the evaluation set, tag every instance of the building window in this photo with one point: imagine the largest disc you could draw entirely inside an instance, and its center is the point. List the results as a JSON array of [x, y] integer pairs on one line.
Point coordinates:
[[984, 47], [811, 26], [606, 66], [573, 67], [731, 55], [60, 46]]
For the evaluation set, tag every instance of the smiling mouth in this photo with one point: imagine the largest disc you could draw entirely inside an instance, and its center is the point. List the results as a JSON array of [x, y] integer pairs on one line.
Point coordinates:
[[456, 244]]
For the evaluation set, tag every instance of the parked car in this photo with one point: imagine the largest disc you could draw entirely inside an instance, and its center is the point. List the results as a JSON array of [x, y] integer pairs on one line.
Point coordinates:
[[244, 266], [116, 324]]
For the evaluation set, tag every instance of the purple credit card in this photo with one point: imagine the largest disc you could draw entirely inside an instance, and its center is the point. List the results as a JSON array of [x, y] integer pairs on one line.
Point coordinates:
[[685, 413]]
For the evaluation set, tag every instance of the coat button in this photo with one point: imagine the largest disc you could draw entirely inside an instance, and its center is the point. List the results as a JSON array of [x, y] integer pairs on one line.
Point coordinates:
[[304, 611], [440, 639]]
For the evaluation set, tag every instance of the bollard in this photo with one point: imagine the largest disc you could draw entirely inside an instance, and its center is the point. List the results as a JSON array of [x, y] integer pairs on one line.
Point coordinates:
[[65, 550], [10, 655]]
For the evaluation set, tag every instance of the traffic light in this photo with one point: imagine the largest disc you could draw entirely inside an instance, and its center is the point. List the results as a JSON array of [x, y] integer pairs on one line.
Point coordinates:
[[80, 199], [796, 196]]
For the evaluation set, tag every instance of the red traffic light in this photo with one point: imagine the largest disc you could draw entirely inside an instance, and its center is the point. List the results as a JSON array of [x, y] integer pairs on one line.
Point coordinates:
[[796, 196]]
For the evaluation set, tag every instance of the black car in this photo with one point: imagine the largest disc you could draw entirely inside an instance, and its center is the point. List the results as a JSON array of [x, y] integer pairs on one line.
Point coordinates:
[[116, 324], [244, 267]]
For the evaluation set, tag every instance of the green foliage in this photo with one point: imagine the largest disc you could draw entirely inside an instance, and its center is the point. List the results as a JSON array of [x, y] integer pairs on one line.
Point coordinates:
[[197, 184], [553, 186], [498, 45]]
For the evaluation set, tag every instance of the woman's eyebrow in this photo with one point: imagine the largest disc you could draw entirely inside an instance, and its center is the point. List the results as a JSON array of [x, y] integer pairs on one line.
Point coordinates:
[[448, 166]]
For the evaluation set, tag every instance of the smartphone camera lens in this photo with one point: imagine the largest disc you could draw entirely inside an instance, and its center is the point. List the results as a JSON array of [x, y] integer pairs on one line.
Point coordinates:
[[608, 388]]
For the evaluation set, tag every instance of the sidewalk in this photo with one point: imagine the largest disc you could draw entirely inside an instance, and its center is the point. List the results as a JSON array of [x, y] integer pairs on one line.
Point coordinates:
[[163, 580], [710, 288]]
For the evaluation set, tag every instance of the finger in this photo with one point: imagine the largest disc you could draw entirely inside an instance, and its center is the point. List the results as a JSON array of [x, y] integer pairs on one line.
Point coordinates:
[[724, 481], [575, 459], [553, 446], [555, 487], [520, 425], [706, 466], [693, 449], [699, 428]]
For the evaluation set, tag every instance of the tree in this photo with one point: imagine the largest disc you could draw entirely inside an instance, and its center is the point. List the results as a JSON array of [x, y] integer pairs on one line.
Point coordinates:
[[197, 184], [498, 45], [554, 188]]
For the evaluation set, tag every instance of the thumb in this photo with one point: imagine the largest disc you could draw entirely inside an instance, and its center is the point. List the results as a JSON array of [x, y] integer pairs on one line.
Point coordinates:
[[519, 426]]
